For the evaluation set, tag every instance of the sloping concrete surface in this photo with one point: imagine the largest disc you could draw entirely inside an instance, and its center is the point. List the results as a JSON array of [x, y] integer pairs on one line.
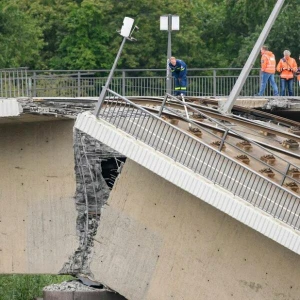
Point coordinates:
[[157, 241]]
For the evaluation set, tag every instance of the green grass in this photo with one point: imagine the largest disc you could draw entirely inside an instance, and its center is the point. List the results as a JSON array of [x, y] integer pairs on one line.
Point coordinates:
[[26, 287]]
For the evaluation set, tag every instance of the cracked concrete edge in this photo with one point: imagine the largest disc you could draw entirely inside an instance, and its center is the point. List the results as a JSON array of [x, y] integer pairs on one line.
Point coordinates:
[[91, 194]]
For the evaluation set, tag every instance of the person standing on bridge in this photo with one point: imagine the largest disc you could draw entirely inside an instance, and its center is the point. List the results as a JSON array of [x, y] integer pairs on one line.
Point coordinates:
[[179, 71], [287, 66], [268, 66]]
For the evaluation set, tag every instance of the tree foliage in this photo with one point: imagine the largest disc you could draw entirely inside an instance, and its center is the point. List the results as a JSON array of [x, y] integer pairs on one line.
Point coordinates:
[[81, 34], [85, 39], [20, 37]]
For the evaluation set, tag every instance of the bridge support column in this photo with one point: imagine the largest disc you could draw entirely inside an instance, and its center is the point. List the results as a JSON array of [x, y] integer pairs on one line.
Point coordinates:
[[37, 184]]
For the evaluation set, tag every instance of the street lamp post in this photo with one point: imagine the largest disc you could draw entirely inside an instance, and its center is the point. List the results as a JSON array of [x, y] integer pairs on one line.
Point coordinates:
[[169, 23], [126, 31]]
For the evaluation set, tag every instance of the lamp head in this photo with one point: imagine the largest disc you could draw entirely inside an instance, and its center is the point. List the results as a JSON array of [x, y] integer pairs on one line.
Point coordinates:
[[127, 25]]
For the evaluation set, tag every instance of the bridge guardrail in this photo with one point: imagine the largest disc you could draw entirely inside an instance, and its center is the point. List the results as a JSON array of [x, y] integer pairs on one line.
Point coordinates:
[[14, 83], [140, 82]]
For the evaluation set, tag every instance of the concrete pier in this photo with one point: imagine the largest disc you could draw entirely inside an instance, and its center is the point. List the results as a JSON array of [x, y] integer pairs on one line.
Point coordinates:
[[37, 184]]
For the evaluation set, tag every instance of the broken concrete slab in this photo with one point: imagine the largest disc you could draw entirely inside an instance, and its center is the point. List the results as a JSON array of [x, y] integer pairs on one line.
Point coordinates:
[[196, 246]]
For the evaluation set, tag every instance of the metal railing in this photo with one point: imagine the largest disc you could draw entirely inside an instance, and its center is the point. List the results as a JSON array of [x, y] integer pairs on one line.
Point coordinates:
[[204, 159], [140, 82], [14, 83]]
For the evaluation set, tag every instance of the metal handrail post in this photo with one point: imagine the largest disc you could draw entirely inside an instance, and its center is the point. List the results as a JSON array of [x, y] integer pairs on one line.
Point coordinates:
[[34, 84], [223, 139], [214, 82], [29, 93], [123, 83], [78, 84], [186, 110], [162, 105], [285, 174]]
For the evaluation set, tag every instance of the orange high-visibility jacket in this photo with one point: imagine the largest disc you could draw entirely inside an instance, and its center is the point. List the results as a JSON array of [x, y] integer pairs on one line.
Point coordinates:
[[287, 67], [268, 62]]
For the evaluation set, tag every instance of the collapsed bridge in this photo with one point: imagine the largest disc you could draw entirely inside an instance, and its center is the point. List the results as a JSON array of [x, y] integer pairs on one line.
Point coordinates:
[[188, 170]]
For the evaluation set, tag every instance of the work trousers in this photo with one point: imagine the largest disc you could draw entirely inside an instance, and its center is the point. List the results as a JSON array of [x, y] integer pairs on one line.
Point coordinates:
[[289, 83], [265, 77], [180, 86]]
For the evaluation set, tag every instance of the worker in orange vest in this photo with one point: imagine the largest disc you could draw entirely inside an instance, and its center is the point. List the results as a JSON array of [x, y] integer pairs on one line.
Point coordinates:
[[268, 65], [287, 66]]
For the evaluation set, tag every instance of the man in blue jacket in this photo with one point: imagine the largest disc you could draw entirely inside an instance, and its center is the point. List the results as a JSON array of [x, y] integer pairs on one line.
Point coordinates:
[[178, 69]]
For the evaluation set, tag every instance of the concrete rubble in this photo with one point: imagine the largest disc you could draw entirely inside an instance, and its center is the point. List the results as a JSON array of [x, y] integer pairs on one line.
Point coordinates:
[[69, 286], [65, 107], [75, 290]]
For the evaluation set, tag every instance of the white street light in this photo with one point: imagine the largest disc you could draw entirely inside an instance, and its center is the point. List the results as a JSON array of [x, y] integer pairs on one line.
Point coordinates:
[[164, 23], [126, 32], [175, 23], [127, 26]]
